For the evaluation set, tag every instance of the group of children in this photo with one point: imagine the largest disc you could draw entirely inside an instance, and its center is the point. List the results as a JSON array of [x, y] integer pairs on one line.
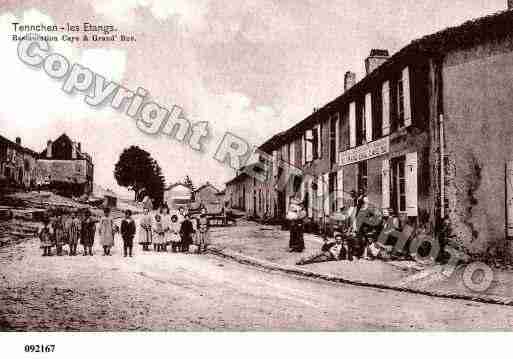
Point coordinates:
[[179, 231], [71, 231]]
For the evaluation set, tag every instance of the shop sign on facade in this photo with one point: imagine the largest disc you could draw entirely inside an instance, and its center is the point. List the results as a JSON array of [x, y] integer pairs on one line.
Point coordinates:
[[365, 152]]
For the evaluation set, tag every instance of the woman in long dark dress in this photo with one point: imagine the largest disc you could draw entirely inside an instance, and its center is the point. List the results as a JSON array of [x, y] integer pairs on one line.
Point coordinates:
[[297, 241], [295, 215]]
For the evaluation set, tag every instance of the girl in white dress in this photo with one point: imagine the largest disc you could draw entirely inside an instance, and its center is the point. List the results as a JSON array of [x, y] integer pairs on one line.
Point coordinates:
[[166, 223], [160, 234], [145, 230], [174, 233]]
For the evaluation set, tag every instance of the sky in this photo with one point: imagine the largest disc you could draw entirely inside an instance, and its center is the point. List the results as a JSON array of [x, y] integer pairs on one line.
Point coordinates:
[[250, 67]]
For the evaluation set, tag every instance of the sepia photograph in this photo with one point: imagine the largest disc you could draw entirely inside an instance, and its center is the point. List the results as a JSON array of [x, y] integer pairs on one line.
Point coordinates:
[[192, 166]]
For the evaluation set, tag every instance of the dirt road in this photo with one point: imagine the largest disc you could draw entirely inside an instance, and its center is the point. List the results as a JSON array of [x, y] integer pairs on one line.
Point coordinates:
[[164, 291]]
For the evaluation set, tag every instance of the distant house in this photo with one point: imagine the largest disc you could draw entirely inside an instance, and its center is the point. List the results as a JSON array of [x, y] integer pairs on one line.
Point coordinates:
[[208, 196], [66, 167], [17, 164], [178, 195], [110, 199]]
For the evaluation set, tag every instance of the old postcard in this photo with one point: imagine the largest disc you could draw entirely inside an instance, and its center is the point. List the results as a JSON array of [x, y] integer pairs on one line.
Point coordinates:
[[267, 165]]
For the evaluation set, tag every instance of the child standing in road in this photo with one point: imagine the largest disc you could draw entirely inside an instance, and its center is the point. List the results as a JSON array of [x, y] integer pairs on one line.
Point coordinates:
[[145, 235], [45, 236], [160, 234], [203, 231], [128, 233], [106, 232], [59, 234], [186, 233], [174, 233], [87, 233], [74, 229]]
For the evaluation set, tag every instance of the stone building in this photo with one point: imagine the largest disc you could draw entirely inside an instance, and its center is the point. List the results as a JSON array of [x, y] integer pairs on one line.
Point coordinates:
[[207, 196], [426, 133], [255, 197], [17, 164], [66, 167]]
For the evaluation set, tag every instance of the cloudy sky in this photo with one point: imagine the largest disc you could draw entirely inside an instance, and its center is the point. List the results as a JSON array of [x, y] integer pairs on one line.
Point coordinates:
[[252, 67]]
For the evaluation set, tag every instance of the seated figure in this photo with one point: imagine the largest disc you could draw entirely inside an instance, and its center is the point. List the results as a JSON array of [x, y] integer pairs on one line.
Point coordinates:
[[333, 250]]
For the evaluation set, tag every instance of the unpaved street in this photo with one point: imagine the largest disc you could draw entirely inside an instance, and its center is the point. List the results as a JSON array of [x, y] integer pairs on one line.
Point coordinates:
[[164, 291]]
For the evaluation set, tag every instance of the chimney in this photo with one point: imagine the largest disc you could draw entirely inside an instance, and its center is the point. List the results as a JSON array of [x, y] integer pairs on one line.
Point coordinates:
[[49, 149], [18, 141], [349, 80], [376, 58], [510, 4]]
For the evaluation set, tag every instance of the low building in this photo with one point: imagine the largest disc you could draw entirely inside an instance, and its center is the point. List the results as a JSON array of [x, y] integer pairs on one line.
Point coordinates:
[[17, 164], [248, 194], [207, 196], [109, 197], [178, 195], [66, 167]]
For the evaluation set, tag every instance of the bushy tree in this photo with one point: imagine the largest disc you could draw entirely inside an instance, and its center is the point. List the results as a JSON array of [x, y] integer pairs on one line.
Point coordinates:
[[139, 172]]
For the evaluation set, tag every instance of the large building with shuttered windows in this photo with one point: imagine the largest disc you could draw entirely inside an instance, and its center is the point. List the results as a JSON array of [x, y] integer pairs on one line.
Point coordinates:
[[427, 133]]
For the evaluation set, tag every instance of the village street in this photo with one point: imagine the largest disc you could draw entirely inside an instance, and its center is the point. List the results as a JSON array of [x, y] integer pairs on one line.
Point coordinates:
[[165, 291]]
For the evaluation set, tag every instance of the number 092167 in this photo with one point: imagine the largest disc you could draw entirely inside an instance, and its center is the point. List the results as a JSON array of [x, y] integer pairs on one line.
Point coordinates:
[[39, 348]]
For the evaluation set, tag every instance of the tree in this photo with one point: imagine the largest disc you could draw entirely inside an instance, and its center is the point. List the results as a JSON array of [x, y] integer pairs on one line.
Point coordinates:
[[156, 185], [139, 172]]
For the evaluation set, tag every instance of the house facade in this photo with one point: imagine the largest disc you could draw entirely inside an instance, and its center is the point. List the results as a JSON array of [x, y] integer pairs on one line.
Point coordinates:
[[17, 164], [256, 197], [66, 167], [427, 133], [208, 197]]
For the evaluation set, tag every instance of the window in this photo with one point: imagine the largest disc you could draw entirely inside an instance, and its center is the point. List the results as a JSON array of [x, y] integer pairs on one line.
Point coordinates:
[[332, 190], [362, 176], [400, 103], [333, 139], [344, 130], [398, 166], [360, 124]]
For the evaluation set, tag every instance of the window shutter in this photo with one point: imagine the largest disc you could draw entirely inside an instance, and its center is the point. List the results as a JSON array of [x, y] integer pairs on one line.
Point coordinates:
[[336, 118], [368, 117], [310, 199], [352, 124], [319, 207], [407, 101], [303, 150], [386, 107], [326, 196], [319, 141], [385, 183], [302, 189], [411, 184], [309, 146], [292, 159], [340, 188]]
